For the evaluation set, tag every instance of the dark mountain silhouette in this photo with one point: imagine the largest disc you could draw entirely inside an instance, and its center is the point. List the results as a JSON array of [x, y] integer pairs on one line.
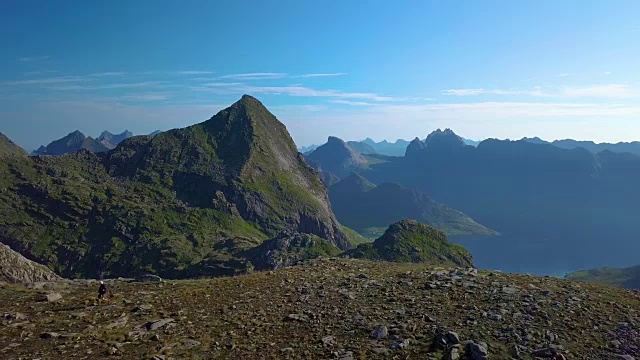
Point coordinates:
[[384, 147], [185, 202], [71, 143], [361, 205], [568, 200], [621, 147]]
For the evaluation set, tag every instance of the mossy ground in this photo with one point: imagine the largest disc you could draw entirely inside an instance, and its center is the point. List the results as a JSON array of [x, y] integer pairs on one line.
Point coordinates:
[[244, 317]]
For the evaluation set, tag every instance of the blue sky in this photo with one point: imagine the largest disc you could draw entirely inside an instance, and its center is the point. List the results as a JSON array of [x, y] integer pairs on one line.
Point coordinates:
[[353, 69]]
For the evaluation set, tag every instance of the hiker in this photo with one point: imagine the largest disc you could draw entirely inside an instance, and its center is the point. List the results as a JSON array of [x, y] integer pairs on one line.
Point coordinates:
[[102, 290]]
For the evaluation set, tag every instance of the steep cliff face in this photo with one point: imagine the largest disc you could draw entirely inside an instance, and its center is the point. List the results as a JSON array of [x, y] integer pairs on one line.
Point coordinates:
[[15, 268], [166, 203]]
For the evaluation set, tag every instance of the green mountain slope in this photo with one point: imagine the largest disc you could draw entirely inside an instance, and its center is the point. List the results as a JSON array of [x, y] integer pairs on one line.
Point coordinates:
[[410, 241], [181, 203], [362, 206], [622, 277]]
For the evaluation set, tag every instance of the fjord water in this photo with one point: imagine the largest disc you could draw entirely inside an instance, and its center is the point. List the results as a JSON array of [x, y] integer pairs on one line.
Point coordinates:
[[516, 252]]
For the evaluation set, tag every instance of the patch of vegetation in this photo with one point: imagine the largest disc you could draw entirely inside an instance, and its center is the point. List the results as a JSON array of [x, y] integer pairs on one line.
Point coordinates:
[[410, 241]]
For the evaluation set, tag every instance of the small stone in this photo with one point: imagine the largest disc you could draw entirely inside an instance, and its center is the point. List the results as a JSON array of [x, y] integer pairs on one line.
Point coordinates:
[[380, 332], [452, 338], [51, 297], [615, 343], [155, 337], [478, 351], [155, 325], [49, 335], [297, 317], [329, 341]]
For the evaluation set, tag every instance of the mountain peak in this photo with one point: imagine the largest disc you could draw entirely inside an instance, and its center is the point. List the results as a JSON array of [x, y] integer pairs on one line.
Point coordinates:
[[335, 140], [9, 148], [446, 139], [337, 157]]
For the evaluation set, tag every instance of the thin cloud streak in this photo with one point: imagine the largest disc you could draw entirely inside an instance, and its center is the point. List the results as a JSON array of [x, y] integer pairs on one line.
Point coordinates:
[[33, 58], [319, 75], [254, 76], [472, 92], [300, 91]]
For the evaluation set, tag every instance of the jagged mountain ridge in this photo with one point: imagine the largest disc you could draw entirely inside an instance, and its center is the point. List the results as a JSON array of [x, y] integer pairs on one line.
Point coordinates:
[[182, 203], [73, 142], [568, 200], [110, 140]]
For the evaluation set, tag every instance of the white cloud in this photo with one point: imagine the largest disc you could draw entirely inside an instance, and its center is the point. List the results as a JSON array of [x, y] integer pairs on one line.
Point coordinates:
[[106, 86], [621, 91], [607, 73], [471, 92], [563, 75], [191, 72], [352, 103], [235, 88], [111, 73], [45, 81]]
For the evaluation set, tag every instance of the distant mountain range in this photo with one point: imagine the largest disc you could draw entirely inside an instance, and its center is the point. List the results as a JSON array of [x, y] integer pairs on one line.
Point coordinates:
[[370, 209], [569, 200], [76, 141], [621, 147]]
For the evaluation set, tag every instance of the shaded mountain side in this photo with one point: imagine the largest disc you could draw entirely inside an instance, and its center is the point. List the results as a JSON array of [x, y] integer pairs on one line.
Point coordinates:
[[110, 140], [361, 147], [361, 205], [410, 241], [9, 148], [15, 268], [397, 148], [73, 142], [166, 204], [568, 200], [336, 158], [622, 277]]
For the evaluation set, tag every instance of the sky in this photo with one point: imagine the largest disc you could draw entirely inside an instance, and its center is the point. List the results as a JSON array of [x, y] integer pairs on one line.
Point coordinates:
[[353, 69]]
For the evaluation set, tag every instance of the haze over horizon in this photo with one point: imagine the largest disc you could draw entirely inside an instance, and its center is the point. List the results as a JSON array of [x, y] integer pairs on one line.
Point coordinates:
[[385, 71]]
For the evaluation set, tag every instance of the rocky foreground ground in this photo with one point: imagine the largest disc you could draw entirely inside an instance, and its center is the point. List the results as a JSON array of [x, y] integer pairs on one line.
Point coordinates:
[[325, 309]]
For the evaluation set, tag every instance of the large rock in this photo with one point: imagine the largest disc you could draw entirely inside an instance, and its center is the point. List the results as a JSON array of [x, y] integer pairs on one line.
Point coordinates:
[[15, 268]]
